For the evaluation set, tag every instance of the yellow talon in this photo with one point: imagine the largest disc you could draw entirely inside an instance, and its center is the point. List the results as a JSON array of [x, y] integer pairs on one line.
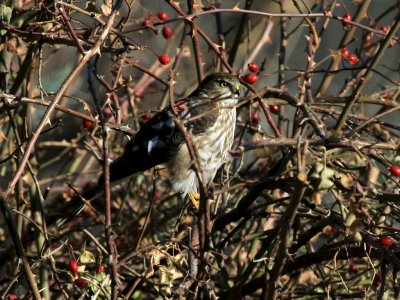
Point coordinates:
[[195, 198]]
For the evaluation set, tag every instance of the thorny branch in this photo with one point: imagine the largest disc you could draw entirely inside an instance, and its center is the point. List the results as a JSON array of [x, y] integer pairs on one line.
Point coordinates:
[[307, 204]]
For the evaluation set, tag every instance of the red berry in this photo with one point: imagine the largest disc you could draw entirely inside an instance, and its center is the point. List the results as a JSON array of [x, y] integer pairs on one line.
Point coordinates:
[[147, 20], [346, 17], [137, 93], [13, 297], [86, 185], [383, 28], [253, 67], [330, 230], [157, 195], [73, 267], [255, 117], [368, 40], [353, 268], [101, 269], [345, 52], [147, 116], [274, 109], [167, 32], [250, 78], [377, 279], [87, 123], [395, 170], [81, 282], [386, 241], [353, 59], [163, 16], [164, 59], [181, 105]]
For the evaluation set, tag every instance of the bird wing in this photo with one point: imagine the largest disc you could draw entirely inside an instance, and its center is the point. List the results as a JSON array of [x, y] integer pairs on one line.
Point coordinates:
[[160, 139], [157, 141]]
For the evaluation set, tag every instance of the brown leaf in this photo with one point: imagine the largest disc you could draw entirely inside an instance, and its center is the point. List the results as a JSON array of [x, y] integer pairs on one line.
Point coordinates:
[[346, 180]]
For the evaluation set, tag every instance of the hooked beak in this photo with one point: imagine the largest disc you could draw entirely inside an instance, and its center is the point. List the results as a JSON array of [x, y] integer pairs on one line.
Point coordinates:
[[237, 90]]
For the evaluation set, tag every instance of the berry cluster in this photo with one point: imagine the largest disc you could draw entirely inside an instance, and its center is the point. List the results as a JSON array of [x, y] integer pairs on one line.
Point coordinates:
[[166, 31], [351, 58], [251, 78]]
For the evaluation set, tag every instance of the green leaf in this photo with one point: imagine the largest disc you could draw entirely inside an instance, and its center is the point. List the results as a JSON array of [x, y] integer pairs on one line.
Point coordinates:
[[96, 281], [325, 184], [87, 257]]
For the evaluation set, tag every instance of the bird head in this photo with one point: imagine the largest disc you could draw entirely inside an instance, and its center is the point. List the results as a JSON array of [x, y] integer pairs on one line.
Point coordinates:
[[221, 85]]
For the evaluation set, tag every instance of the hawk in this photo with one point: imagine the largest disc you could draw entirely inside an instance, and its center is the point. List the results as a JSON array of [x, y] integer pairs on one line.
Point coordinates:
[[207, 115]]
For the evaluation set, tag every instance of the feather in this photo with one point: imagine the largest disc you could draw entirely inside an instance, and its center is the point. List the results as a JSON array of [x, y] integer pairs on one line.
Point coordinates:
[[152, 144]]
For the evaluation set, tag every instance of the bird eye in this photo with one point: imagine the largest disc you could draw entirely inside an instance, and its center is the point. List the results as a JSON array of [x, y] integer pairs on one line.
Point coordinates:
[[224, 84]]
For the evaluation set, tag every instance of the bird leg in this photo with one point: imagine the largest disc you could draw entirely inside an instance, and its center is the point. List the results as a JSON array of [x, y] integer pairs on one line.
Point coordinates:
[[195, 198]]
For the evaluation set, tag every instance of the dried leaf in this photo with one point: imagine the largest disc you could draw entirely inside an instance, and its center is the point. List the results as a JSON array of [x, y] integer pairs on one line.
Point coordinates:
[[166, 278], [373, 174], [316, 198], [106, 9], [356, 237], [356, 226], [308, 277], [350, 219], [149, 271], [155, 257], [346, 180]]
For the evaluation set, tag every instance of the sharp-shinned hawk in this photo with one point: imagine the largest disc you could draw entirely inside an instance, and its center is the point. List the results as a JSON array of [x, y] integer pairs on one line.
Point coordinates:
[[208, 117]]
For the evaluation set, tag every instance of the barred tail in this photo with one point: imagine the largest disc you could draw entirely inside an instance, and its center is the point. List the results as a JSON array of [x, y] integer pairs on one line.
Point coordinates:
[[119, 169], [77, 205]]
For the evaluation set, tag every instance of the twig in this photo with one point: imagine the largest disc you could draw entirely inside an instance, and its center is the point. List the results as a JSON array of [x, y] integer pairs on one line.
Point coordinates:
[[71, 30], [107, 189], [196, 46], [8, 216], [371, 120], [367, 75], [57, 99], [240, 32], [285, 228]]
